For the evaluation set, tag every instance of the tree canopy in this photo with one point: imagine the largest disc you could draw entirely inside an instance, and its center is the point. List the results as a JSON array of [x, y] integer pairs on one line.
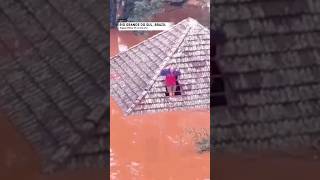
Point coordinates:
[[134, 10]]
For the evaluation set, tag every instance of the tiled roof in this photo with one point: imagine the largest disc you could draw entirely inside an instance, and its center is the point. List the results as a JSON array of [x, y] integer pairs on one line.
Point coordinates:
[[270, 64], [54, 76], [136, 83]]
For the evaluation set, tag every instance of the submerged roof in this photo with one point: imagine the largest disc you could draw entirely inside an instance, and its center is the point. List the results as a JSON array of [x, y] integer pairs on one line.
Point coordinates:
[[270, 64], [54, 78], [136, 83]]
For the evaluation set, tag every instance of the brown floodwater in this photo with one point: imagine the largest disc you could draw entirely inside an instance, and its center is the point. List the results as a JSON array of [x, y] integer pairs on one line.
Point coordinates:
[[299, 165], [20, 161], [159, 146]]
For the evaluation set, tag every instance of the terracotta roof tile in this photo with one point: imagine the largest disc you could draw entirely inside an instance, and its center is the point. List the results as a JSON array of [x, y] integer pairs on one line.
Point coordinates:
[[270, 68], [139, 87], [54, 77]]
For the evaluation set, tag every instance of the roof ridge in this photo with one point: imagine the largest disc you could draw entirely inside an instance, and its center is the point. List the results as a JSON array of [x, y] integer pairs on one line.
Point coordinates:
[[165, 62], [194, 22]]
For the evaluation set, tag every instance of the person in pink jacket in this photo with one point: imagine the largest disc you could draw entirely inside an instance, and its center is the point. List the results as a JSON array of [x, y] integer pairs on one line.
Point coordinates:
[[171, 82]]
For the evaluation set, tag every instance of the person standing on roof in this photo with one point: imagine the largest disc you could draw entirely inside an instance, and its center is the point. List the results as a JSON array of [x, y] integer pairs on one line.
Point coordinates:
[[171, 75], [171, 82]]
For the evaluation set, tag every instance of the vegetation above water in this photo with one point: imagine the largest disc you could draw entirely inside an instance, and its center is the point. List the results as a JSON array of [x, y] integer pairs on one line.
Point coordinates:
[[134, 10], [203, 145], [145, 9], [201, 137], [142, 10]]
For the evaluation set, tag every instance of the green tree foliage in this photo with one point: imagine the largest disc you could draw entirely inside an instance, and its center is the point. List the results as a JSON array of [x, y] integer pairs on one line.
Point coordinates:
[[113, 13], [134, 10], [145, 9]]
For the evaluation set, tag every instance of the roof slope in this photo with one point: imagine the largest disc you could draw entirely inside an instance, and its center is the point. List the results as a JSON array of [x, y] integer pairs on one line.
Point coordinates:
[[136, 83], [53, 74], [271, 67]]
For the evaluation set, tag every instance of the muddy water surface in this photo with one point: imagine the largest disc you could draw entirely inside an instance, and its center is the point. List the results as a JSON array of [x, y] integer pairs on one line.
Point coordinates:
[[157, 146], [19, 161]]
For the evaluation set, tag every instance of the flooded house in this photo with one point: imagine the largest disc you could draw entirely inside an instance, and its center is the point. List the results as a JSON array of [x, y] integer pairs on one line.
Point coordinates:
[[269, 64], [137, 84]]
